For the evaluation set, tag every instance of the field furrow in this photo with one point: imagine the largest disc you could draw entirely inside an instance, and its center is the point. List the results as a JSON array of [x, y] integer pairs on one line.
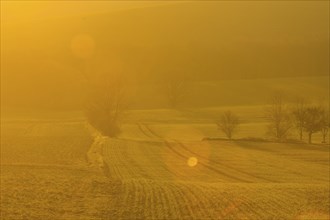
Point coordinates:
[[155, 177]]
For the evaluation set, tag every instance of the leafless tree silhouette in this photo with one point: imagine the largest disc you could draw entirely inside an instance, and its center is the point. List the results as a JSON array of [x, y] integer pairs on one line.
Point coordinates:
[[314, 121], [177, 89], [228, 123], [299, 115], [105, 104], [278, 117], [326, 125]]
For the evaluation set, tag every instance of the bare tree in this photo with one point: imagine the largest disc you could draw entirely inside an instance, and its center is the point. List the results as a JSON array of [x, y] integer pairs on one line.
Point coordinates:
[[314, 121], [228, 123], [105, 105], [299, 114], [177, 89], [278, 117], [326, 124]]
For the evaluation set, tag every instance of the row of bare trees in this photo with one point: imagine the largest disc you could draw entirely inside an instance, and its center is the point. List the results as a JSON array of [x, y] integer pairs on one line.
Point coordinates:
[[311, 118], [105, 106], [282, 118]]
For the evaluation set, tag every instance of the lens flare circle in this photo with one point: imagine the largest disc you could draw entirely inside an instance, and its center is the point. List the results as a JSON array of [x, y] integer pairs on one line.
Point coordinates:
[[192, 161]]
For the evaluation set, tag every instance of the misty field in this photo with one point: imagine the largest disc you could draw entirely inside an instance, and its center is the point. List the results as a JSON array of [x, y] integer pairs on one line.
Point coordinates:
[[158, 170], [164, 110]]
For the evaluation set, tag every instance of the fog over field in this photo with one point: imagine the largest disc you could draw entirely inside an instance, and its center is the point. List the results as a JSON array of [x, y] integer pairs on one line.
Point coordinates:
[[165, 110]]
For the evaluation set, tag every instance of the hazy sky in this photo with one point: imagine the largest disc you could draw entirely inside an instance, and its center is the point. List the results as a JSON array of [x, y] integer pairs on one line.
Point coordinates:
[[21, 11], [44, 43]]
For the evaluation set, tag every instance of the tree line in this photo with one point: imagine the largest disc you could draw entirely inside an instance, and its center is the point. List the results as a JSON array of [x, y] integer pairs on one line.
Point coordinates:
[[283, 118], [105, 106]]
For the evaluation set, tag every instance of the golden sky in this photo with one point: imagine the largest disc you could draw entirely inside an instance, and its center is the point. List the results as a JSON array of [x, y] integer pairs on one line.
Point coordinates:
[[43, 43], [21, 11]]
